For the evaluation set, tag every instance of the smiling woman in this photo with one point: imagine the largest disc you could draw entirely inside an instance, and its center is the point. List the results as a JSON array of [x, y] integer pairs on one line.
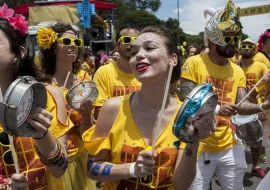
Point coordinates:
[[119, 144], [60, 62]]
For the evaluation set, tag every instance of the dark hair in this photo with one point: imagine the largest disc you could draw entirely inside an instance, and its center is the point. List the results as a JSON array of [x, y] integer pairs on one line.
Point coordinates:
[[171, 44], [266, 37], [126, 26], [201, 48], [48, 56], [85, 53], [112, 52], [22, 66], [191, 46]]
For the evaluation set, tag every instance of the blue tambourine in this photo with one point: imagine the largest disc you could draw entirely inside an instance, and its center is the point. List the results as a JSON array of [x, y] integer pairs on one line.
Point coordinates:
[[201, 100]]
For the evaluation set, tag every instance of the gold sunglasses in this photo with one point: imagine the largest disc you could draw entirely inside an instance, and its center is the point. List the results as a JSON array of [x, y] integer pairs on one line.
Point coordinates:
[[126, 39], [67, 41], [249, 47], [229, 39]]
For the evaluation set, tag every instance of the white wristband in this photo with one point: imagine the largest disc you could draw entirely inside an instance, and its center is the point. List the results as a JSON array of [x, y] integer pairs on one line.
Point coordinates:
[[217, 109], [261, 107], [132, 170]]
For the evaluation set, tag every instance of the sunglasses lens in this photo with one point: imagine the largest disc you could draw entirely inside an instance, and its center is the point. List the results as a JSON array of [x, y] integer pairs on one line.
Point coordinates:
[[244, 46], [227, 39], [66, 41], [78, 42], [127, 40], [235, 39], [250, 47]]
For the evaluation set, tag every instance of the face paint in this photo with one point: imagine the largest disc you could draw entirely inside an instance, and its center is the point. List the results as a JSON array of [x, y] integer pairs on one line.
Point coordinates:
[[147, 49]]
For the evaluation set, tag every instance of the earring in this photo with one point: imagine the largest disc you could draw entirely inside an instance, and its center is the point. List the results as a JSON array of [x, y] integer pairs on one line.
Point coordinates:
[[15, 60]]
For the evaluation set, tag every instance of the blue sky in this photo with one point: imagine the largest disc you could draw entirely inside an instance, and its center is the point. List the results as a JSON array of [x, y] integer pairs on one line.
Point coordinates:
[[192, 20]]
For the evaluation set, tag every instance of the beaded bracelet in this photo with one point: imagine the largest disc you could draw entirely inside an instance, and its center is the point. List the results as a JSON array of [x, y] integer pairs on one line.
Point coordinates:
[[51, 159]]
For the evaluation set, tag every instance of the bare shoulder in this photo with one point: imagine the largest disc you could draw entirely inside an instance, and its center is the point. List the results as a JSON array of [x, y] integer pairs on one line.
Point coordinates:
[[107, 116]]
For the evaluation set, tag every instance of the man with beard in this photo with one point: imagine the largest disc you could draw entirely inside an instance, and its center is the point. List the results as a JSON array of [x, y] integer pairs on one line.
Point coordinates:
[[221, 153], [254, 71], [263, 54], [116, 78]]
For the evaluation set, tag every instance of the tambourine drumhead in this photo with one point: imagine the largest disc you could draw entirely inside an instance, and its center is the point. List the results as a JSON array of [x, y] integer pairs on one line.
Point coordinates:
[[243, 119], [208, 105], [81, 91], [24, 95]]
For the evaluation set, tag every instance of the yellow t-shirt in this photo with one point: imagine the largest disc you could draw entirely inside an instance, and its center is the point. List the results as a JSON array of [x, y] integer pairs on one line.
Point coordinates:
[[125, 142], [28, 160], [253, 74], [235, 59], [225, 81], [113, 82], [260, 57]]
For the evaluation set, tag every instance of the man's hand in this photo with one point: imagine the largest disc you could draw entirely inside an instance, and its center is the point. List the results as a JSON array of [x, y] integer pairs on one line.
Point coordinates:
[[228, 110]]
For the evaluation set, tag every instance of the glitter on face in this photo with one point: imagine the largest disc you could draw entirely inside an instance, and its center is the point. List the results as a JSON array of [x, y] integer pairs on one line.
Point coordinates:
[[150, 46]]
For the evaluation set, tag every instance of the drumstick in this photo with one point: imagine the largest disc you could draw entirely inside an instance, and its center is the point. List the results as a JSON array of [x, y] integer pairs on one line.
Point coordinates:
[[161, 112], [251, 90], [10, 138], [65, 84], [162, 109]]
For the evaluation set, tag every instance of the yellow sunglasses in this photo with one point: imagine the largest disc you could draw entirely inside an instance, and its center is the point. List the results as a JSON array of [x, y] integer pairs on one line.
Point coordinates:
[[249, 47], [67, 41], [126, 39], [229, 39]]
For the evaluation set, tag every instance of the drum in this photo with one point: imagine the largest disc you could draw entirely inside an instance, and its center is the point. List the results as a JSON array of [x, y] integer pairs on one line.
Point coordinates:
[[85, 90], [201, 100], [249, 129], [23, 95]]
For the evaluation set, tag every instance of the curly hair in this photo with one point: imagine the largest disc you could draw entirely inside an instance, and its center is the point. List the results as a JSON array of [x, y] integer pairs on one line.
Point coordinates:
[[48, 56], [263, 38]]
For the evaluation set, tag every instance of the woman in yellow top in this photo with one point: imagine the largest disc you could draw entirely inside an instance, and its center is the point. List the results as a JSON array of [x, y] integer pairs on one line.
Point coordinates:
[[118, 144], [17, 59], [59, 50]]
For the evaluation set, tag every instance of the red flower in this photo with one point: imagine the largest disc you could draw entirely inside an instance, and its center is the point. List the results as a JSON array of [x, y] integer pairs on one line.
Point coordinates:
[[19, 23], [5, 12]]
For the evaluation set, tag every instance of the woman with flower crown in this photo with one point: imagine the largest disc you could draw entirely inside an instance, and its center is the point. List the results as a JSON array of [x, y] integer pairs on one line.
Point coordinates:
[[43, 159], [59, 50]]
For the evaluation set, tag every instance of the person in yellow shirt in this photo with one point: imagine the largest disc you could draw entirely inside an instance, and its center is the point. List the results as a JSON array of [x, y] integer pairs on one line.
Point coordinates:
[[116, 78], [41, 158], [119, 143], [254, 71], [263, 54], [221, 154], [59, 56]]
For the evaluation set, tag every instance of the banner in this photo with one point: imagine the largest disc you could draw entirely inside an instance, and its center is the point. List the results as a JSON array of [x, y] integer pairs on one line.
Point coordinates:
[[264, 9], [61, 13]]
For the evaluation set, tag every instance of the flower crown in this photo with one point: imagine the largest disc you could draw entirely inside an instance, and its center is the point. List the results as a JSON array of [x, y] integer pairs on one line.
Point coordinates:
[[260, 42], [18, 22], [46, 37]]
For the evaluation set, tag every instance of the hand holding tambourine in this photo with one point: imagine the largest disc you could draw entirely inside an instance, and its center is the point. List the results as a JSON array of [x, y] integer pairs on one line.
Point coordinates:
[[195, 119], [22, 111], [81, 96]]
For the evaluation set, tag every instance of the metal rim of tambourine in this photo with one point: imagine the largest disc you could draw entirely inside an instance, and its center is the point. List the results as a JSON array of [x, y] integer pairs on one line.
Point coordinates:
[[236, 118], [21, 88], [93, 90], [192, 94]]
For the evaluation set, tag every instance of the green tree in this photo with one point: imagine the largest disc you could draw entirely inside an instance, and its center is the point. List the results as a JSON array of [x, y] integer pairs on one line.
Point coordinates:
[[141, 18]]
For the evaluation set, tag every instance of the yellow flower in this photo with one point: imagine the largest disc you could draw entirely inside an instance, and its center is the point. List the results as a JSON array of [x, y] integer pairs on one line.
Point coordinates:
[[46, 37]]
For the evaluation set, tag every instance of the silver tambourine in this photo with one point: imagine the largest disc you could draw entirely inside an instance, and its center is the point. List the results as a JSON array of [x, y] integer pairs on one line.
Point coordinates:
[[85, 90], [201, 100], [23, 95]]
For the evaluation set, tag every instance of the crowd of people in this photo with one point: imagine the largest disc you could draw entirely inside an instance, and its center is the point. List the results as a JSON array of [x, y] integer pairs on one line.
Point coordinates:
[[108, 143]]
